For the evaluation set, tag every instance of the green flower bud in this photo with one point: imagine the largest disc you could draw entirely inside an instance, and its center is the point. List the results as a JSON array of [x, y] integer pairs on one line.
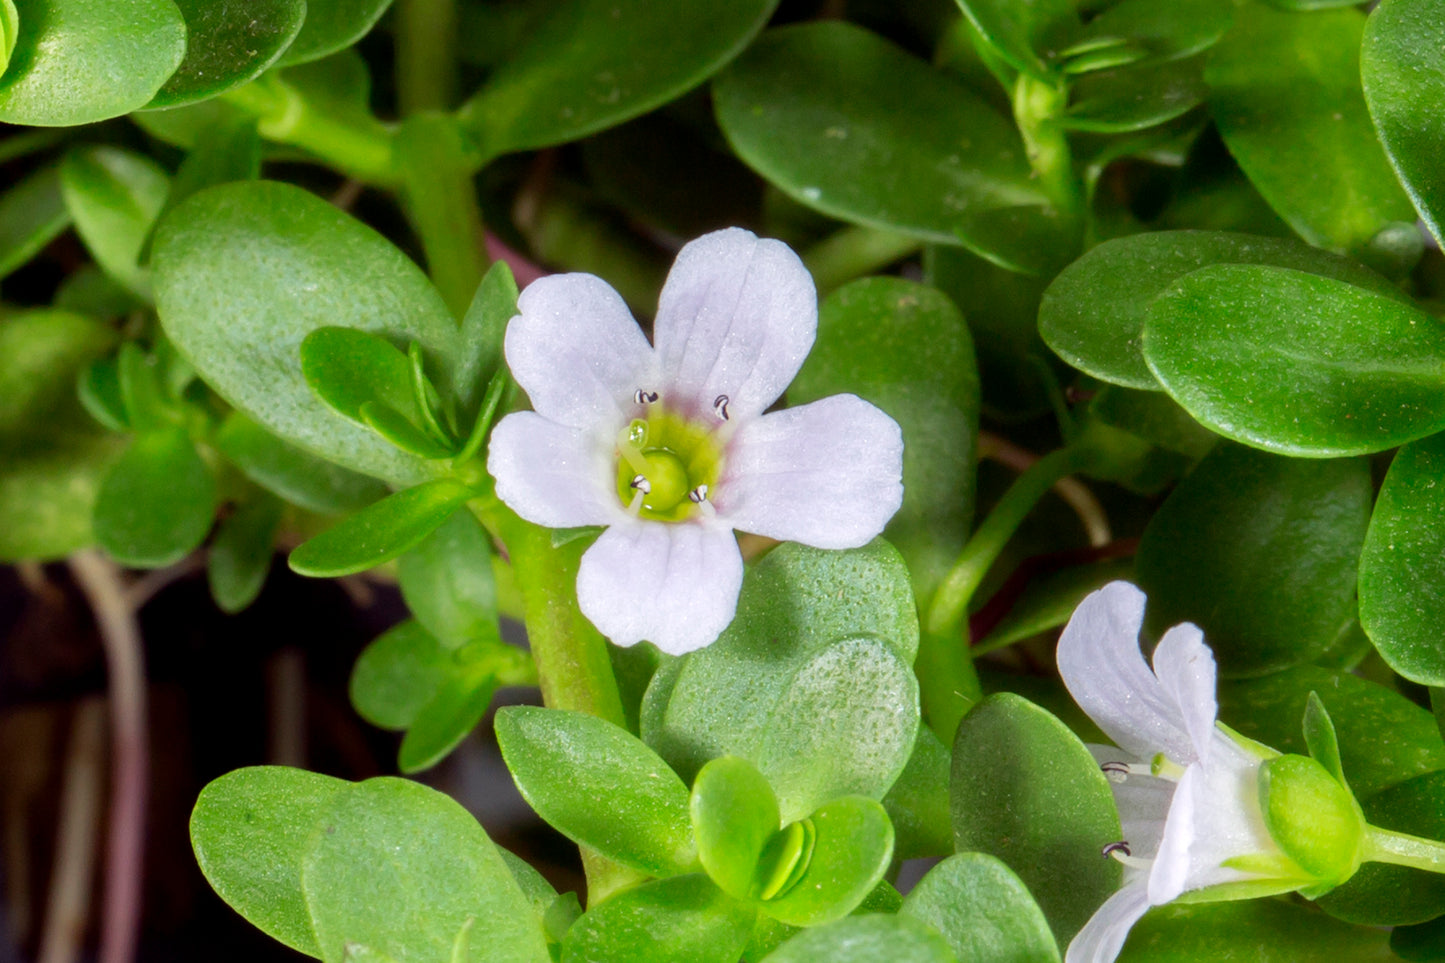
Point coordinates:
[[1312, 817]]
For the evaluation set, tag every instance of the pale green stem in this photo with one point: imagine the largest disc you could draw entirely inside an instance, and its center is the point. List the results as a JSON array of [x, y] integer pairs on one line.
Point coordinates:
[[426, 32], [853, 252], [1036, 105], [1384, 846], [434, 163], [361, 150]]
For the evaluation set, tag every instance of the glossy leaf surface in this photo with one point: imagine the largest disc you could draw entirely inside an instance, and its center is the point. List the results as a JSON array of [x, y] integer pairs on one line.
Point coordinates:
[[114, 196], [228, 43], [332, 25], [381, 531], [681, 920], [866, 939], [984, 911], [157, 502], [32, 214], [297, 476]]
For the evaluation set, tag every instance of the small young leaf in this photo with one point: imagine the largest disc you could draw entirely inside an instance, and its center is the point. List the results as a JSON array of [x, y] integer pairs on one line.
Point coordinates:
[[228, 45], [734, 814], [1024, 34], [115, 196], [157, 502], [448, 584], [347, 369], [98, 388], [852, 846], [380, 532], [1319, 733], [1026, 790], [398, 674], [984, 911], [449, 716], [138, 380], [483, 327], [680, 920], [398, 429], [297, 476], [565, 763], [1256, 353], [241, 552], [251, 830], [32, 214], [332, 25]]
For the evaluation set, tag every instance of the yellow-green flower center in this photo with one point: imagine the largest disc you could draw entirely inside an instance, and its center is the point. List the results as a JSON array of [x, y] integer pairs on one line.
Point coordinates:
[[666, 466]]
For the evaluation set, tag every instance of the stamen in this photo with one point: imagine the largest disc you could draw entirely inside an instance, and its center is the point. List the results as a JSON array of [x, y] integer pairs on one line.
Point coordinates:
[[644, 397], [1122, 846], [641, 483], [698, 495], [629, 445], [720, 407], [1116, 771], [634, 507]]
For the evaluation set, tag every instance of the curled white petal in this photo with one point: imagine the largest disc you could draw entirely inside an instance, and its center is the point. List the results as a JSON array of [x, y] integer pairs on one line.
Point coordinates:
[[1170, 874], [1103, 669], [736, 318], [552, 475], [1185, 667], [576, 350], [827, 474], [1103, 936], [675, 585]]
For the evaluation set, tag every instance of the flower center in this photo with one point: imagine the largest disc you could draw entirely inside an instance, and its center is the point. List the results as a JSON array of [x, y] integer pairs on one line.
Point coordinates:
[[666, 466]]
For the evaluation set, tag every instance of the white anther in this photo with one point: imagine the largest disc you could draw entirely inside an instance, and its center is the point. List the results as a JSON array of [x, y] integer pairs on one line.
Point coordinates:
[[698, 495], [720, 407], [641, 483], [1121, 847], [644, 397]]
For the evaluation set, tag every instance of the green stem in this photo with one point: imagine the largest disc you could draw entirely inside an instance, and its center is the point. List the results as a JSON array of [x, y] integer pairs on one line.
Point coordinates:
[[1384, 846], [361, 150], [1037, 104], [853, 252], [434, 161], [426, 33], [946, 675]]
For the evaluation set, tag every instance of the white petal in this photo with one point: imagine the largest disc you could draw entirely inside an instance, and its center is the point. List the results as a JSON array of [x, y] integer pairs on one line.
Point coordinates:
[[1170, 875], [552, 475], [576, 350], [1105, 672], [1227, 815], [1103, 936], [675, 585], [736, 317], [1185, 667], [827, 474]]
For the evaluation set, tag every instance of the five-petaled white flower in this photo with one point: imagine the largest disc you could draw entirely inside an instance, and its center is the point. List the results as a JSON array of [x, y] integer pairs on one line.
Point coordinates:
[[1188, 790], [667, 443]]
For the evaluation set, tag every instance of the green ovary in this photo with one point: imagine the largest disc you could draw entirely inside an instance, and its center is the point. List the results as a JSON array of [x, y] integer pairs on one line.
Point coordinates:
[[674, 456]]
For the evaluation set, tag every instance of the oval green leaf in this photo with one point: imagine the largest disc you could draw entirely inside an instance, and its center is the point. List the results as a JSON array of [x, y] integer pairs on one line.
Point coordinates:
[[115, 195], [1261, 931], [848, 124], [984, 911], [1024, 789], [681, 920], [1260, 552], [734, 814], [1296, 363], [565, 763], [245, 271], [332, 25], [397, 675], [1286, 96], [866, 939], [297, 476], [380, 532], [451, 714], [1027, 35], [80, 61], [157, 502], [852, 846], [229, 44], [1402, 64], [240, 556], [32, 214], [448, 584]]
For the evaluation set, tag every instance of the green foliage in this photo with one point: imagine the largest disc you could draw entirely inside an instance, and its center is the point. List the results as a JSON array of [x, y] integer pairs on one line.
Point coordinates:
[[156, 503], [114, 197], [228, 44], [984, 911], [680, 920], [32, 214], [240, 555], [381, 531], [863, 939]]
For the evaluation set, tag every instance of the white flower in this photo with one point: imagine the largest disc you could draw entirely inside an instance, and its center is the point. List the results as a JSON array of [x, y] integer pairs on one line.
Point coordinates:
[[1187, 790], [667, 443]]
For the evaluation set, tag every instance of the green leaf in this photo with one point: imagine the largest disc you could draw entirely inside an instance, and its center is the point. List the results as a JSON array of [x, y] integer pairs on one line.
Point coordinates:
[[115, 195], [451, 714], [300, 478], [1135, 97], [1286, 96], [245, 271], [98, 389], [904, 347], [1422, 943], [1401, 598], [778, 688], [1261, 931], [229, 149], [1028, 238], [1260, 552], [380, 532], [850, 125], [142, 398], [398, 674], [917, 803], [332, 25], [32, 214], [584, 65], [157, 502], [79, 61], [1295, 363], [1403, 69], [241, 552], [448, 584], [483, 328], [1386, 895], [228, 45], [406, 871], [734, 814], [851, 846], [680, 920], [348, 369], [984, 911], [566, 763], [1093, 313], [1028, 34], [866, 939], [251, 829], [1025, 790], [1172, 30], [402, 432], [1384, 738], [1321, 739]]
